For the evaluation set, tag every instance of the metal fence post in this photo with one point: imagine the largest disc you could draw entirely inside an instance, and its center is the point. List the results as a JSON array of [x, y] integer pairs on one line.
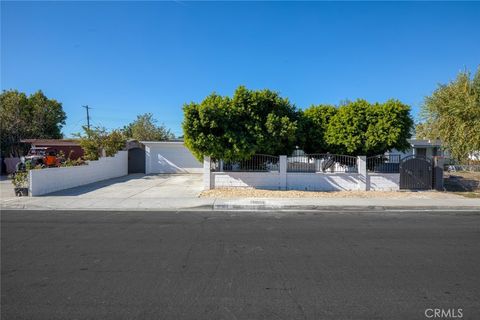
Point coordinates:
[[282, 170], [364, 181], [207, 176]]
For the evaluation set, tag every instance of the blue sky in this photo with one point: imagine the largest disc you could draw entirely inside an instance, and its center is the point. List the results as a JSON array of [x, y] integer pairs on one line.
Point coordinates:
[[127, 58]]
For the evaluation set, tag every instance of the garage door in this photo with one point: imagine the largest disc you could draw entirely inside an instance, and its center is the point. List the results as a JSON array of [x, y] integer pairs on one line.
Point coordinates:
[[170, 157]]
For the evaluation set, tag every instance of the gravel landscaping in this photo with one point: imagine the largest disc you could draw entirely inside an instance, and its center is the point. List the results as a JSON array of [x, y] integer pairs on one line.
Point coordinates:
[[257, 193]]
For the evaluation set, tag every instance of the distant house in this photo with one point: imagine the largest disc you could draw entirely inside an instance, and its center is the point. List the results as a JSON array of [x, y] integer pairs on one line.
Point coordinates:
[[70, 147], [423, 148]]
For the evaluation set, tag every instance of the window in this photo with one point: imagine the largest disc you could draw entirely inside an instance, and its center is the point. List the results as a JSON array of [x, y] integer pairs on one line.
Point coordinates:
[[421, 152]]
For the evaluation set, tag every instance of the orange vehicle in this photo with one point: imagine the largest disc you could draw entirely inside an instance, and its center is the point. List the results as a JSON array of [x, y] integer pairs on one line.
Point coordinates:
[[51, 160], [39, 157]]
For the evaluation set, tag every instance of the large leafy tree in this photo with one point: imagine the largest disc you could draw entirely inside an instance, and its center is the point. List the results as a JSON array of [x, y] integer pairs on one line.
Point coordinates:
[[452, 114], [270, 121], [145, 128], [215, 129], [347, 129], [314, 124], [236, 128], [360, 128], [22, 117], [253, 122], [48, 117], [389, 127], [14, 117]]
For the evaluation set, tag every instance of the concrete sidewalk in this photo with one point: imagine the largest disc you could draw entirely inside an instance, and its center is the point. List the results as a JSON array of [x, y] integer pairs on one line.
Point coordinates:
[[194, 203], [181, 192], [345, 203]]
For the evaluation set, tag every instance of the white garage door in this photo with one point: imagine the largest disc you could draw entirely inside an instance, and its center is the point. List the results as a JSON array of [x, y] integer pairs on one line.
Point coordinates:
[[170, 157]]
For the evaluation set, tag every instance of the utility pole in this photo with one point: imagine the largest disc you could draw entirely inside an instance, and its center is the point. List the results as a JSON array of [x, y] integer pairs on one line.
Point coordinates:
[[88, 116]]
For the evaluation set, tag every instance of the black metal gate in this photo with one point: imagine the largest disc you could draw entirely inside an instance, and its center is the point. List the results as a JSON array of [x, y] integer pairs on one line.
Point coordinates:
[[416, 173], [136, 160]]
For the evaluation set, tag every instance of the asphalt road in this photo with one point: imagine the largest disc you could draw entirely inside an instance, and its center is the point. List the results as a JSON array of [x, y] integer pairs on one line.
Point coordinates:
[[218, 265]]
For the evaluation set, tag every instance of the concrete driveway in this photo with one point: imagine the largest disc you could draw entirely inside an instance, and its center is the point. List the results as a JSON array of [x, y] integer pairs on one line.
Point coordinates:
[[6, 188], [135, 191], [139, 186]]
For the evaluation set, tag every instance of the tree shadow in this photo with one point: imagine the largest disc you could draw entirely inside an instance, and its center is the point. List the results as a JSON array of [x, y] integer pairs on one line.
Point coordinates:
[[462, 182], [91, 187]]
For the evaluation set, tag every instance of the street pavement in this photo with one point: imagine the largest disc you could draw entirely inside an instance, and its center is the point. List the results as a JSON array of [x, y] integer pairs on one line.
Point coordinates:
[[239, 265]]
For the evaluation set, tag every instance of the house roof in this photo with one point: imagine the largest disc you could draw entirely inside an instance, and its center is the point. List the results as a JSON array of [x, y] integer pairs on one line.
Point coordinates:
[[163, 142], [425, 143], [52, 142]]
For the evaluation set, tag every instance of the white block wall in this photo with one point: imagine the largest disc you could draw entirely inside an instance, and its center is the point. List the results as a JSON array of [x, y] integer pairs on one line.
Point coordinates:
[[304, 181], [44, 181], [170, 157], [323, 181], [384, 181], [260, 180], [320, 181]]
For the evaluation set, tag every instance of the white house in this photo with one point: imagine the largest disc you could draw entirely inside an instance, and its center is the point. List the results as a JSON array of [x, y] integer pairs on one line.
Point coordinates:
[[422, 147]]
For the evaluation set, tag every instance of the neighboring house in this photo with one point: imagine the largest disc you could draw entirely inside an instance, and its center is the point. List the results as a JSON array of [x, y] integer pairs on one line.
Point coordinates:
[[423, 148], [71, 148]]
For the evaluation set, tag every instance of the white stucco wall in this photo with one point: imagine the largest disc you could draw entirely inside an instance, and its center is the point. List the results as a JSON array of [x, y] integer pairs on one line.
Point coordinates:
[[260, 180], [319, 181], [170, 157], [294, 181], [384, 181], [44, 181], [323, 181]]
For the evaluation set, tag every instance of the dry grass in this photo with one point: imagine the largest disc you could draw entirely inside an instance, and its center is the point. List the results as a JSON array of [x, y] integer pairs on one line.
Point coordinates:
[[257, 193]]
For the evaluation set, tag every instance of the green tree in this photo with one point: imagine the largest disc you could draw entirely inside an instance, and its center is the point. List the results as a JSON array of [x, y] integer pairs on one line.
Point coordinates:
[[213, 128], [24, 117], [14, 117], [48, 117], [252, 121], [96, 139], [360, 128], [269, 121], [314, 124], [389, 127], [452, 114], [346, 130], [145, 128], [114, 142]]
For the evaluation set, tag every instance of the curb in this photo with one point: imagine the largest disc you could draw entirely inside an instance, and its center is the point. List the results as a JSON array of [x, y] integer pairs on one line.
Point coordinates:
[[263, 207], [253, 207]]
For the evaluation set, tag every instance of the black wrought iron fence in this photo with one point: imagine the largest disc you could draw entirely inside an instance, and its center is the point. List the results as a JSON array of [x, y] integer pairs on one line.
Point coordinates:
[[322, 162], [384, 163], [257, 163]]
